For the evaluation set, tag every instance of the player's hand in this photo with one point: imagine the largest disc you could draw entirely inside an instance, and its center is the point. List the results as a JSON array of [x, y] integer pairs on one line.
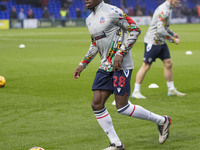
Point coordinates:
[[77, 72], [177, 41], [117, 64], [176, 36]]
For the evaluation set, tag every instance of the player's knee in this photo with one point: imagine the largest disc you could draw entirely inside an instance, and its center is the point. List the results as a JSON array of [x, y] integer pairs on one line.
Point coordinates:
[[168, 64], [146, 66], [97, 105]]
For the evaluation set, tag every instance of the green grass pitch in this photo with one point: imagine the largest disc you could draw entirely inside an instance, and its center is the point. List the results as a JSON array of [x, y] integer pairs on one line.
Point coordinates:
[[41, 104]]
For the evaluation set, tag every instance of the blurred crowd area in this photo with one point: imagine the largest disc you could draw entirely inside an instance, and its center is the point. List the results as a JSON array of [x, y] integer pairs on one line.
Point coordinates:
[[186, 8], [64, 9]]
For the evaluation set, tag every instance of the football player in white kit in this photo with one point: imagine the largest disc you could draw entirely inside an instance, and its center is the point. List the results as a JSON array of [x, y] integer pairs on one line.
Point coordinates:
[[108, 26], [155, 47]]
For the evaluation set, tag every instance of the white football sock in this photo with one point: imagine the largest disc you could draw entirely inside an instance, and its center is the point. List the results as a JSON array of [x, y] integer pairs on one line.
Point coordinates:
[[105, 121], [170, 85], [141, 113], [137, 87]]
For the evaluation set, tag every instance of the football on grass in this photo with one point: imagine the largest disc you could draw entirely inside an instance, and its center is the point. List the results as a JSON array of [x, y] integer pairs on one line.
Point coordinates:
[[36, 148], [2, 81]]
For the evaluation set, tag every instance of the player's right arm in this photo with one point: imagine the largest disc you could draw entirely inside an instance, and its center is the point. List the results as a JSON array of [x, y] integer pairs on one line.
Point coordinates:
[[126, 23], [77, 72], [86, 60]]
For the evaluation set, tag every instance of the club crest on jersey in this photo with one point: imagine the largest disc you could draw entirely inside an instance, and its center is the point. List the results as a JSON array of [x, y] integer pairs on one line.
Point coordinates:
[[102, 20]]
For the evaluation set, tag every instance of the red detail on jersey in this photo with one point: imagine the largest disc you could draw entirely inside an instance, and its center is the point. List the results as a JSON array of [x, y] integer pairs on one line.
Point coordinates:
[[161, 16], [130, 44], [137, 29], [132, 111], [103, 116], [94, 43], [122, 53], [85, 61], [130, 21], [109, 59]]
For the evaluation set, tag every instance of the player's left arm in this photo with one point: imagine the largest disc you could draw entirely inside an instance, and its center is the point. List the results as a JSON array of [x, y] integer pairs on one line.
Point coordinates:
[[129, 25], [172, 33], [126, 23]]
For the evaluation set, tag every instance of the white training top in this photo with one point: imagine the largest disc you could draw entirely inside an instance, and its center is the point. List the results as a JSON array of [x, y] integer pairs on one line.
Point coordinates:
[[108, 26], [159, 30]]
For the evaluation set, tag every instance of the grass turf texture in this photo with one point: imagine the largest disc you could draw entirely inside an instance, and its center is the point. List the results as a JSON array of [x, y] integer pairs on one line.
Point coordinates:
[[41, 104]]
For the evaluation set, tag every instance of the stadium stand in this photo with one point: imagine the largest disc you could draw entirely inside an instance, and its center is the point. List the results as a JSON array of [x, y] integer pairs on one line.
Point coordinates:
[[54, 7]]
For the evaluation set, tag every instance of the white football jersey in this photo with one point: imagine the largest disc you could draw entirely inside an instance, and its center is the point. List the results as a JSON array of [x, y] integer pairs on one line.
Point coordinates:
[[159, 30], [108, 26]]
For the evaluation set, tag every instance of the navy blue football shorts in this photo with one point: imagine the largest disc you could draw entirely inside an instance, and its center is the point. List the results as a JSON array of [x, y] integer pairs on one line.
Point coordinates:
[[117, 82], [155, 51]]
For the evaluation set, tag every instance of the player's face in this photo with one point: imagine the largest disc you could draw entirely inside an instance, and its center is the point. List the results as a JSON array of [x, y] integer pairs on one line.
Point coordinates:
[[91, 4], [175, 3]]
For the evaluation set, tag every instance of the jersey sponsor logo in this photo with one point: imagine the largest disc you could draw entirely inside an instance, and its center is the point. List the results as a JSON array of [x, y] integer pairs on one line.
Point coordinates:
[[126, 73], [102, 20], [102, 35]]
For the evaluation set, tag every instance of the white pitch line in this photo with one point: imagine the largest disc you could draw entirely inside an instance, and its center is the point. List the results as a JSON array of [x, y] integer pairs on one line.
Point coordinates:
[[45, 40], [36, 34]]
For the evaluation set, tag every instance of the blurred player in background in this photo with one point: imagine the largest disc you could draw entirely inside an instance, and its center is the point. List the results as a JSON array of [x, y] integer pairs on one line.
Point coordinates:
[[108, 26], [155, 47]]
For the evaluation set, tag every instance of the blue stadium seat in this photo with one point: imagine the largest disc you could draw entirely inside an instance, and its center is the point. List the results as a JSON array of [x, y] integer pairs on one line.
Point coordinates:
[[54, 7]]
